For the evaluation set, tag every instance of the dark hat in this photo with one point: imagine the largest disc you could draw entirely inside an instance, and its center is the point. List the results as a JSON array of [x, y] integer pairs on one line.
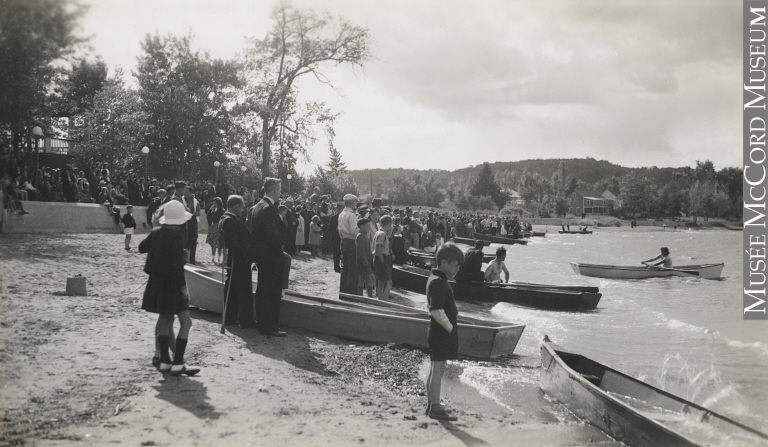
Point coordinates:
[[180, 184]]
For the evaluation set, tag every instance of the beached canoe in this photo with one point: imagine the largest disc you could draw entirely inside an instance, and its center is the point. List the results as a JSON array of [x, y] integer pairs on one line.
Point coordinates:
[[533, 295], [574, 232], [706, 271], [632, 411], [420, 257], [503, 240], [360, 321]]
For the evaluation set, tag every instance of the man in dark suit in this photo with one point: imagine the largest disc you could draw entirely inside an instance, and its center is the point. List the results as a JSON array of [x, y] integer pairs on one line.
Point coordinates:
[[237, 238], [472, 268], [267, 237], [293, 225], [335, 238]]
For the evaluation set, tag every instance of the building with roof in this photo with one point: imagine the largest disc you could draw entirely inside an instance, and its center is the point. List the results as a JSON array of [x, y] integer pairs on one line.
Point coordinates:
[[589, 203]]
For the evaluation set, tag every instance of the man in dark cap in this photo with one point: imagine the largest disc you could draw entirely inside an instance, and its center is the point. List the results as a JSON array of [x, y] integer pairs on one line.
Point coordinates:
[[267, 237], [237, 239]]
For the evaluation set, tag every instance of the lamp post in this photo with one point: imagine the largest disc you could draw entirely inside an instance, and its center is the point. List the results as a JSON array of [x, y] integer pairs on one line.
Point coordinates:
[[145, 151], [289, 177], [37, 133], [216, 165]]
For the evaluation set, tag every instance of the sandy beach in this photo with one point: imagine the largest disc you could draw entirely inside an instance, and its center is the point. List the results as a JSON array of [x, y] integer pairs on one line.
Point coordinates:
[[75, 370]]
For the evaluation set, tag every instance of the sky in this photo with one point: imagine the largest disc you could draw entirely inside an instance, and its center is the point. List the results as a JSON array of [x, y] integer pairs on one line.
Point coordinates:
[[457, 83]]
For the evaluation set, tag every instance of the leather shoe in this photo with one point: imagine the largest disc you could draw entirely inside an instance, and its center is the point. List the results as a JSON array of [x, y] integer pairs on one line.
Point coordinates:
[[277, 333]]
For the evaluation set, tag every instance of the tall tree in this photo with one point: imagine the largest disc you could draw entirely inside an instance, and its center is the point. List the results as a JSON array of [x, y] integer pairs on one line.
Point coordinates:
[[485, 185], [335, 164], [301, 43], [80, 85], [189, 99], [34, 34]]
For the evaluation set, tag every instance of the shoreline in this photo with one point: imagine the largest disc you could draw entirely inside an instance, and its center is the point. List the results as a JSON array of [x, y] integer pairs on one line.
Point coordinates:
[[76, 370]]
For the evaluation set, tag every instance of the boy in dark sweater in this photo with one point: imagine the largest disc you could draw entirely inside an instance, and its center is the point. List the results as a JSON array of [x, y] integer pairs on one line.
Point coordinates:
[[366, 279], [129, 226], [442, 335]]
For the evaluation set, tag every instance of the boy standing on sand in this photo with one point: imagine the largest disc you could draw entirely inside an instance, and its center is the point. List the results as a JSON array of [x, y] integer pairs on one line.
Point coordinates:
[[442, 335], [365, 280], [129, 225]]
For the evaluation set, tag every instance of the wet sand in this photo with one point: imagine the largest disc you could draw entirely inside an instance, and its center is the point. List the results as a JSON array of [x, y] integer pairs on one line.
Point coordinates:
[[75, 370]]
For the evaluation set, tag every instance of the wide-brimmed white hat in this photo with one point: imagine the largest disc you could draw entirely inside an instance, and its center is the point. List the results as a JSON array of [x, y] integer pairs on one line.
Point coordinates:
[[174, 214]]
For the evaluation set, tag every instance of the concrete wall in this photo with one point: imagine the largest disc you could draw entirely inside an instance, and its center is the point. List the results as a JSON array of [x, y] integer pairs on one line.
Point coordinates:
[[58, 217]]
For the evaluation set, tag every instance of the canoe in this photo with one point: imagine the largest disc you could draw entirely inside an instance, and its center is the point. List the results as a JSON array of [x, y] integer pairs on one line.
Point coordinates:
[[360, 321], [538, 234], [706, 271], [539, 296], [504, 240], [574, 232], [467, 241], [419, 257], [631, 411]]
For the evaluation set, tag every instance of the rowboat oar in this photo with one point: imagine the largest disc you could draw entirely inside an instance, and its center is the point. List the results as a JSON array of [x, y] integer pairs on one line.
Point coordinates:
[[687, 272]]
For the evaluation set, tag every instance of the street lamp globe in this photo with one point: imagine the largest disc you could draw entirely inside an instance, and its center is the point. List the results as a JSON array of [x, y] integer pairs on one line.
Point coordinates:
[[216, 164], [243, 168], [289, 176], [145, 150], [37, 132]]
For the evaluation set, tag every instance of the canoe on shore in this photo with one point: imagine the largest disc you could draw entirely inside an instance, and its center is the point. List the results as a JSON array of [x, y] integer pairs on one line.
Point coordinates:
[[539, 296], [705, 271], [631, 411], [361, 321], [503, 240], [574, 232], [420, 257]]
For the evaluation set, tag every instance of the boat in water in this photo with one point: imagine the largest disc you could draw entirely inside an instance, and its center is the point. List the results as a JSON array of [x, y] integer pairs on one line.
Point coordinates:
[[502, 240], [427, 259], [375, 323], [574, 232], [632, 411], [706, 271], [541, 296]]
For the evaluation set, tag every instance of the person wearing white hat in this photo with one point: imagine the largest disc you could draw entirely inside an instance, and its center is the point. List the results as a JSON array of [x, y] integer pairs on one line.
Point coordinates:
[[166, 292]]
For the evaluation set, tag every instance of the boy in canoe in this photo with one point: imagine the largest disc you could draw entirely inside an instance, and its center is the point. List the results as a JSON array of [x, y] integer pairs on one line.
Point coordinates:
[[664, 260], [494, 269], [442, 335]]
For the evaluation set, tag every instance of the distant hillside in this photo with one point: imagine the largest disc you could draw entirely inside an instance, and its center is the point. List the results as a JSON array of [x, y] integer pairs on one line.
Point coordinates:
[[586, 169]]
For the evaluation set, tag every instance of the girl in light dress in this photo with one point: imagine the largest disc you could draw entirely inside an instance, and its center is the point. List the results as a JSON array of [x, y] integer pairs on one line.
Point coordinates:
[[315, 234], [299, 228]]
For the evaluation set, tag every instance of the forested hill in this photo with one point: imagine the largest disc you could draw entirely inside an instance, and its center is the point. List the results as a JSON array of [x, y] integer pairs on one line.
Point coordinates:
[[588, 170]]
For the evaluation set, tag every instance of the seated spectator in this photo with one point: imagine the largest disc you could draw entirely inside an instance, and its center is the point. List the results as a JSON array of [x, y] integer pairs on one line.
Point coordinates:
[[13, 197]]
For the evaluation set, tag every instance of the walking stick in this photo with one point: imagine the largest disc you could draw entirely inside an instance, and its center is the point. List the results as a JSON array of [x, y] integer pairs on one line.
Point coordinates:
[[226, 297]]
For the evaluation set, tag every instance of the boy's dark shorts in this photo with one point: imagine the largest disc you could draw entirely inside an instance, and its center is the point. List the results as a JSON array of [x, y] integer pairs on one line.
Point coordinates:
[[442, 345], [383, 269]]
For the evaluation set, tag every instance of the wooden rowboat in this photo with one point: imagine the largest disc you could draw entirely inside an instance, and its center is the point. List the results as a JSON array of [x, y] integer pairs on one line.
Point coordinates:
[[508, 240], [706, 271], [538, 233], [574, 232], [533, 295], [632, 411], [467, 241], [419, 257], [360, 321]]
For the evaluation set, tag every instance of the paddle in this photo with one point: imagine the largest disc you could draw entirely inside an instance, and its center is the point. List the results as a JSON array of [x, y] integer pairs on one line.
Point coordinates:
[[687, 272]]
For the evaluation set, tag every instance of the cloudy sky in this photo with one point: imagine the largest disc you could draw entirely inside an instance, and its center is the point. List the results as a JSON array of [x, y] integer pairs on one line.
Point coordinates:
[[456, 83]]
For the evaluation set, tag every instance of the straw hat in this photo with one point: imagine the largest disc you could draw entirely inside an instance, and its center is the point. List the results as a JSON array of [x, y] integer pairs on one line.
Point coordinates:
[[174, 214]]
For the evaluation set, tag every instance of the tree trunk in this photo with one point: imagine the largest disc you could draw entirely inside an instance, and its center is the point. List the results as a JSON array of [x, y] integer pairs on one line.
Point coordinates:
[[266, 153]]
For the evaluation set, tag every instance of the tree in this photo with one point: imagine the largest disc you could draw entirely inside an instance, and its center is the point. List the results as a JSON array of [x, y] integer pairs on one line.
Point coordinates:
[[334, 185], [301, 43], [485, 185], [637, 194], [335, 165], [188, 98], [34, 36], [114, 128], [79, 88]]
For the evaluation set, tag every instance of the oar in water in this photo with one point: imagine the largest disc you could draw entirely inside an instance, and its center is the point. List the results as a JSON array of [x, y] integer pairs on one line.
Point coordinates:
[[687, 272]]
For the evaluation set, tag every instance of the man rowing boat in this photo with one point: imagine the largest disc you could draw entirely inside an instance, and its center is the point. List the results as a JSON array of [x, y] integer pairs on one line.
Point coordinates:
[[494, 269], [663, 260]]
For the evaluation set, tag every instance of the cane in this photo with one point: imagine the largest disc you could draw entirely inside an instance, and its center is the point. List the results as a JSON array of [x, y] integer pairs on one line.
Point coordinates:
[[226, 297]]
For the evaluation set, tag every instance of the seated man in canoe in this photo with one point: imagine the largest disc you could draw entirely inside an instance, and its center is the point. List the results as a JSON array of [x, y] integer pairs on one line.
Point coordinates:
[[494, 269], [662, 260], [472, 268]]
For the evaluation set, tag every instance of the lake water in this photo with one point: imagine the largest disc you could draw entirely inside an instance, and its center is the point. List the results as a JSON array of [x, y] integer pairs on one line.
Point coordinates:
[[684, 335]]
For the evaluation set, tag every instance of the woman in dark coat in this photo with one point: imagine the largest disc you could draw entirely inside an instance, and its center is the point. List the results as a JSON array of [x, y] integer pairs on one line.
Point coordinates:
[[166, 293]]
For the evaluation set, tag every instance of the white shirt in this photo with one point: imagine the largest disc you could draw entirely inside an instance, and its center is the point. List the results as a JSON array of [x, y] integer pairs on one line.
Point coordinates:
[[348, 224]]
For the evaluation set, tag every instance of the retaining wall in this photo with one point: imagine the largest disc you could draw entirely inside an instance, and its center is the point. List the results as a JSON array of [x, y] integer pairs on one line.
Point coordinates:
[[58, 217]]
